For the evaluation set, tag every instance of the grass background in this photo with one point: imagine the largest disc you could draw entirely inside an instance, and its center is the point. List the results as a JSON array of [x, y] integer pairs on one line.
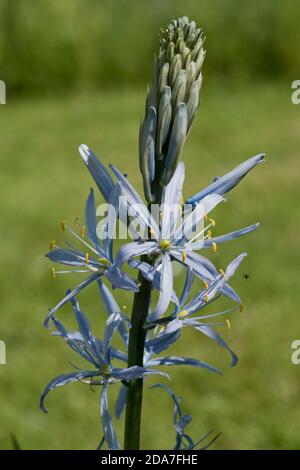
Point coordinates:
[[43, 181]]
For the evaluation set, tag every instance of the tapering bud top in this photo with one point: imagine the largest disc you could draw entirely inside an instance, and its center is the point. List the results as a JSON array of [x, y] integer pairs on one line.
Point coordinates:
[[171, 103]]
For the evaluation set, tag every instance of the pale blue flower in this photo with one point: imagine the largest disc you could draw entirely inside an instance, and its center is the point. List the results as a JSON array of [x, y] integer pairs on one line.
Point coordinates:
[[178, 246], [97, 259], [224, 184], [99, 354]]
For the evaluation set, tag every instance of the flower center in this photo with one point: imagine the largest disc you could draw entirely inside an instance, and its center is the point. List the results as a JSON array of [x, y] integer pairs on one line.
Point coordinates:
[[164, 244]]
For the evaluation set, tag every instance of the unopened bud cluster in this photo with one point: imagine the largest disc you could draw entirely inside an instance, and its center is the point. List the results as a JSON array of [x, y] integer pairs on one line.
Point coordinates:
[[171, 103]]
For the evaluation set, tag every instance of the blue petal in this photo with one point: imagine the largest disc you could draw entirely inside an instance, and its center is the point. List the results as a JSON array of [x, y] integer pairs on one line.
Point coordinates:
[[134, 372], [108, 428], [224, 238], [232, 267], [121, 401], [85, 330], [111, 306], [152, 274], [189, 279], [162, 342], [91, 221], [75, 340], [171, 202], [180, 421], [197, 263], [98, 171], [130, 250], [112, 324], [165, 289], [230, 293], [141, 211], [69, 257], [182, 361], [63, 380], [120, 280], [149, 272], [206, 330], [229, 181], [70, 295], [110, 221]]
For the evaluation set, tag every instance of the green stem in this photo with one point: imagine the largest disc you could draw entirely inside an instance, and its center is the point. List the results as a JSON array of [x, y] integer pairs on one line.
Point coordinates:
[[136, 346], [135, 357]]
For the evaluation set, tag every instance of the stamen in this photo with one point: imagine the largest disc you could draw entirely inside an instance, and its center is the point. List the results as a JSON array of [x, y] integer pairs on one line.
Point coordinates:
[[213, 222], [81, 239], [183, 256], [206, 217], [152, 233], [214, 247], [228, 323], [53, 272], [86, 257], [52, 245], [82, 231], [206, 298], [160, 215], [76, 222], [241, 307], [205, 284], [222, 272], [63, 225], [164, 244], [208, 234], [70, 271]]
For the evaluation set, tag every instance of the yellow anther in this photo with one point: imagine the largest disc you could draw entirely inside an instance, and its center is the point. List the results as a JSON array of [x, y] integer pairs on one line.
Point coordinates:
[[152, 233], [228, 323], [76, 222], [86, 257], [183, 313], [160, 215], [205, 284], [82, 231], [164, 244], [63, 225], [104, 261], [206, 298], [214, 247], [241, 307], [222, 272], [212, 221], [183, 256], [52, 245], [124, 307], [53, 273], [208, 234], [206, 217], [163, 327], [181, 200]]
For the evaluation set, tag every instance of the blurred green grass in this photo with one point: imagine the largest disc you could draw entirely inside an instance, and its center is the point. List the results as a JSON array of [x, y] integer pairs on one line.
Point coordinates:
[[58, 47], [43, 181]]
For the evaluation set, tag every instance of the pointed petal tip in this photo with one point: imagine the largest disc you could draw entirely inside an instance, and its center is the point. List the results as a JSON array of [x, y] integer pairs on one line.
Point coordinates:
[[84, 152]]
